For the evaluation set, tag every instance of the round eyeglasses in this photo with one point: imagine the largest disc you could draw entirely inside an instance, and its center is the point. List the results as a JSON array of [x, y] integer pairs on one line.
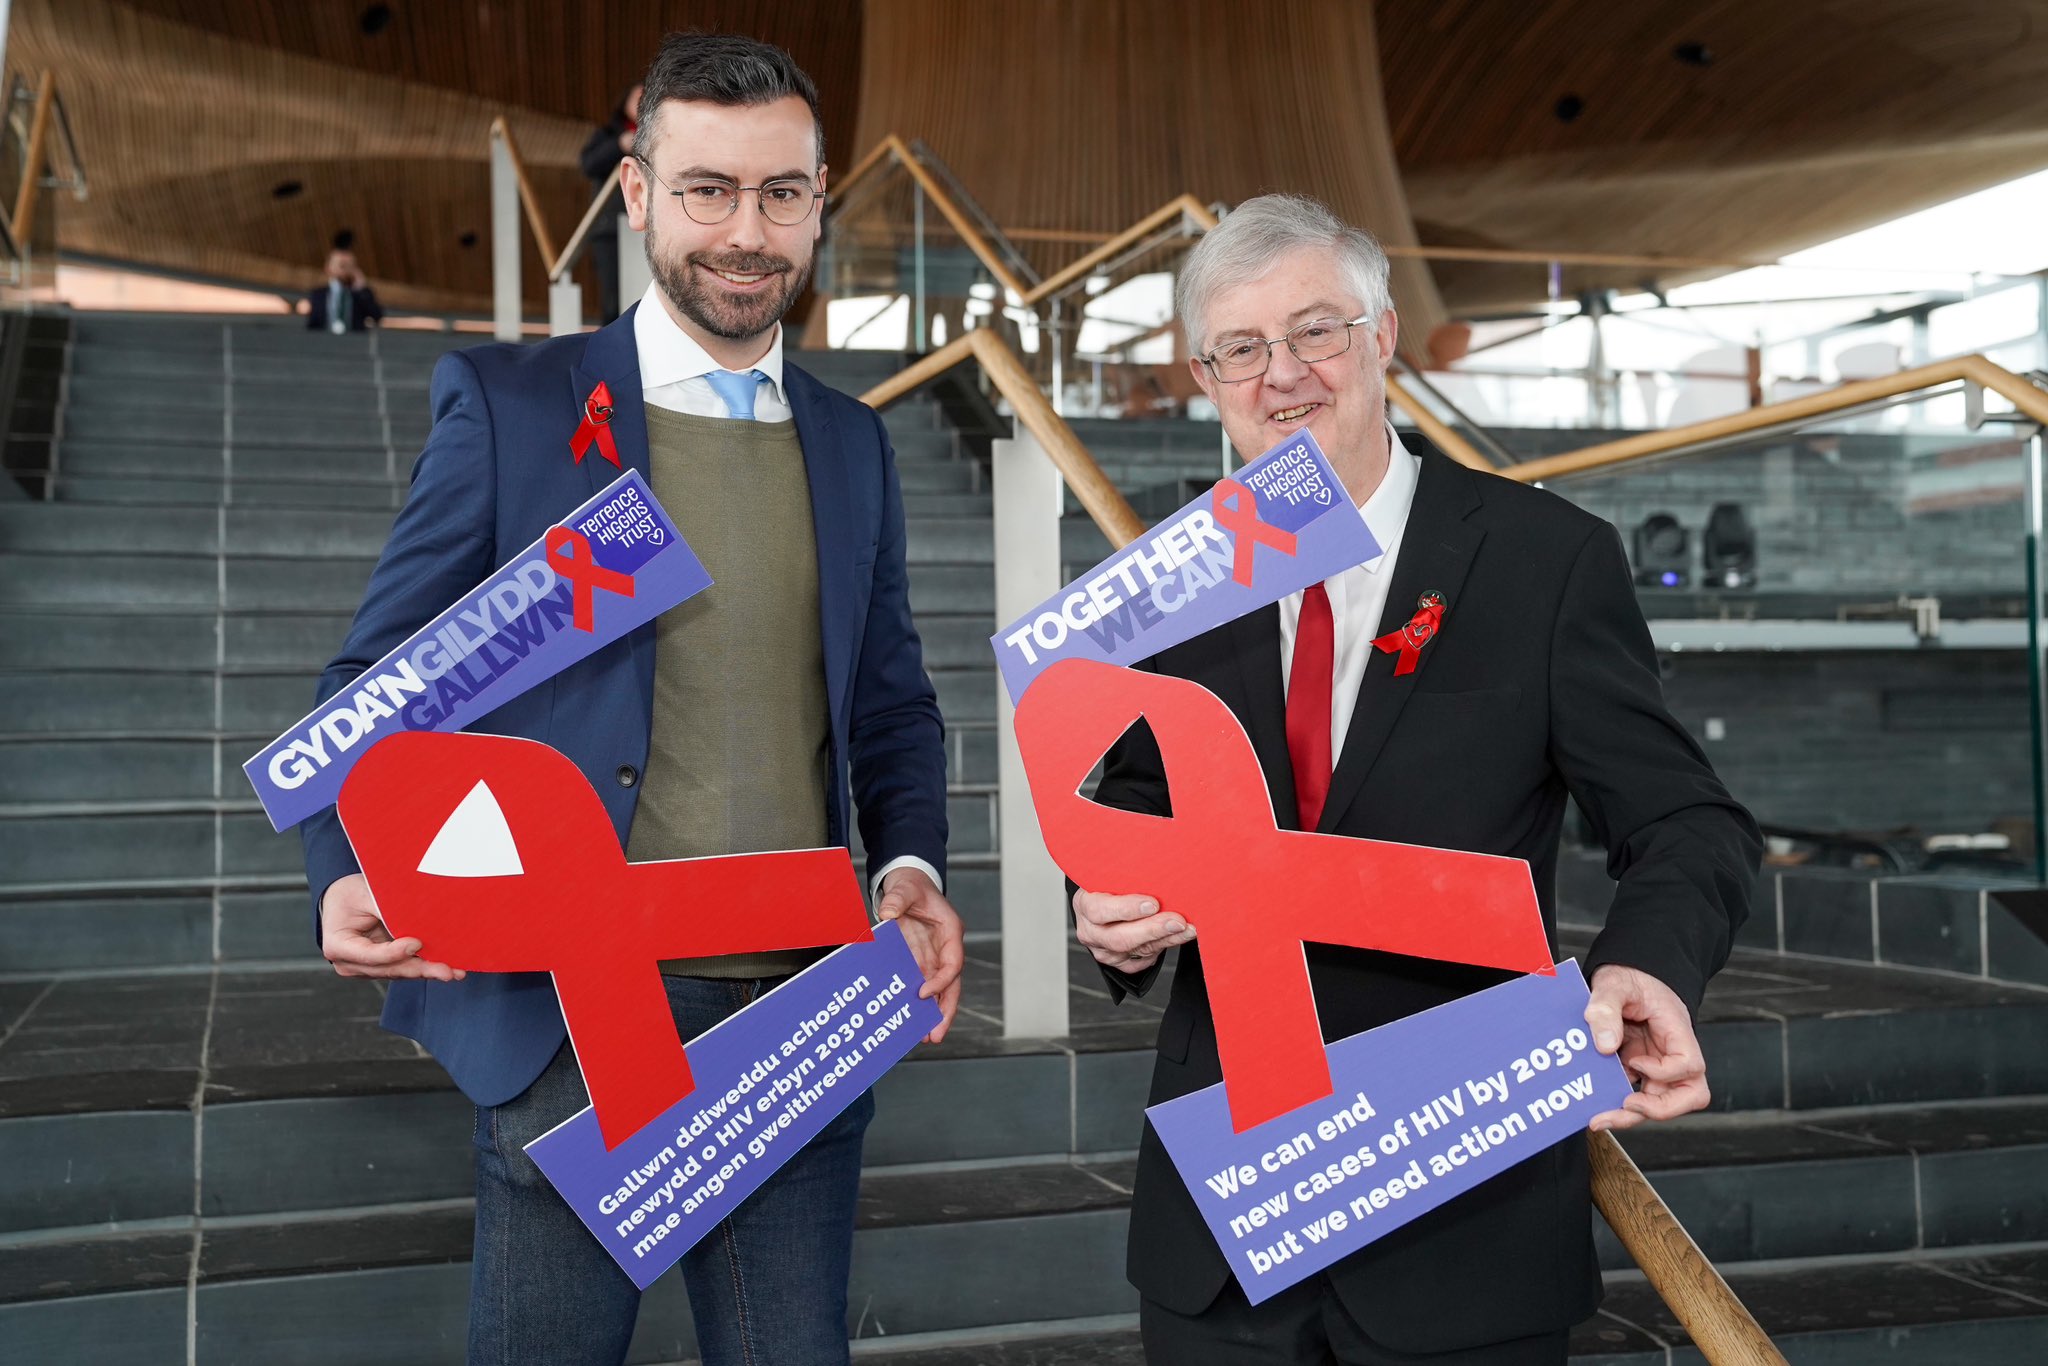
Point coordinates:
[[1243, 358], [710, 201]]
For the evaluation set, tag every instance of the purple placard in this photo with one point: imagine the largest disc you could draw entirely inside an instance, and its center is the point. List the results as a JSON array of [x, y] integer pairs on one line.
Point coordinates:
[[1176, 581], [1424, 1109], [768, 1079], [514, 630]]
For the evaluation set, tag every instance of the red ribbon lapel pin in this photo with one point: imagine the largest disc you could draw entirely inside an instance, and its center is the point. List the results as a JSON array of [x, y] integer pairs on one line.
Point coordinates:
[[1420, 630], [596, 427]]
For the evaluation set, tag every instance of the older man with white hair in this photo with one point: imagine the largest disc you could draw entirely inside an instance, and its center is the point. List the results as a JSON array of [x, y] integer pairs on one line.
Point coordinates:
[[1540, 684]]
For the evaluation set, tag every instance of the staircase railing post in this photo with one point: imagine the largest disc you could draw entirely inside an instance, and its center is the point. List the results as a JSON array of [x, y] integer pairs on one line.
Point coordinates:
[[565, 308], [504, 241], [1029, 499]]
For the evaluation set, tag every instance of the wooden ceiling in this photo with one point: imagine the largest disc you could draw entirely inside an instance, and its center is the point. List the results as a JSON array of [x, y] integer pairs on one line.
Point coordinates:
[[1727, 130], [190, 113], [1733, 130]]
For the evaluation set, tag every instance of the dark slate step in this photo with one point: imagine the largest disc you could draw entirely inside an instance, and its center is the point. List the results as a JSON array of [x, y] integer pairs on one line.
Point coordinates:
[[259, 1284], [1984, 1311], [369, 461], [141, 397], [952, 541], [156, 930], [89, 849], [72, 703], [923, 1293], [311, 429], [98, 1070], [1846, 1182], [132, 582], [57, 529], [966, 694], [935, 590], [170, 642], [128, 490]]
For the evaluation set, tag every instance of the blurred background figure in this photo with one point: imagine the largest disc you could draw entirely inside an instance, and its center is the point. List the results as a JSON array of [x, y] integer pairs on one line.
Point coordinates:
[[344, 302], [608, 142]]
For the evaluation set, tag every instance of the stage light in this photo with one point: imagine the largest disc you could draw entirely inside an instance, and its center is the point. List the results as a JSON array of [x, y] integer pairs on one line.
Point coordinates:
[[1663, 552], [1728, 548]]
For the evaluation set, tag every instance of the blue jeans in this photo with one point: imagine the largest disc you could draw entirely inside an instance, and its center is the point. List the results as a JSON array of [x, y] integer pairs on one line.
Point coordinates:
[[767, 1286]]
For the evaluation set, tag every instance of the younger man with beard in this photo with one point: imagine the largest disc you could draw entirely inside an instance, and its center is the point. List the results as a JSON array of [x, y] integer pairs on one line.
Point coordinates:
[[729, 725]]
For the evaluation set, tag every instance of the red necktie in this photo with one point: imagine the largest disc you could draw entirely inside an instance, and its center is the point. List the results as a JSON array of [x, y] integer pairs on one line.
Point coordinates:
[[1308, 704]]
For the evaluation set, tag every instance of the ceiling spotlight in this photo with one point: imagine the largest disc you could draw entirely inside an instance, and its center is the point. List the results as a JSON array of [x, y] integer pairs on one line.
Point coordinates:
[[374, 20], [467, 239], [1569, 108], [1694, 54]]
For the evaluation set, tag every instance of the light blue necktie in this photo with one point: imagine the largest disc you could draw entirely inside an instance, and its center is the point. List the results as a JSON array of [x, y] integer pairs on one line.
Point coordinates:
[[737, 391]]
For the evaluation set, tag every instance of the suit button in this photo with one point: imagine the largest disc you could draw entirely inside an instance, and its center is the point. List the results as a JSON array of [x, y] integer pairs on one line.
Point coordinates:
[[628, 775]]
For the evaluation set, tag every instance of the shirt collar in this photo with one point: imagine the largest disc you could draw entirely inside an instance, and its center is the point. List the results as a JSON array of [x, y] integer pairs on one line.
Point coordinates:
[[1386, 511], [669, 355]]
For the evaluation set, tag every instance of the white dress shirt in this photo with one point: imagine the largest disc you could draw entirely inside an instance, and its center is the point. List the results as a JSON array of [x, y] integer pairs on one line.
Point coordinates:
[[1358, 595], [672, 370], [673, 367]]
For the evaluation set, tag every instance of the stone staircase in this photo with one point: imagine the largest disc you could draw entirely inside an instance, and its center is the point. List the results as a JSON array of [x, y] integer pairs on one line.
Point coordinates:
[[210, 1153]]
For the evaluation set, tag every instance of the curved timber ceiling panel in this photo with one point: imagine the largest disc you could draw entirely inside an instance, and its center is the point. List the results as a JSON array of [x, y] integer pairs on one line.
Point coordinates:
[[1723, 130], [189, 113]]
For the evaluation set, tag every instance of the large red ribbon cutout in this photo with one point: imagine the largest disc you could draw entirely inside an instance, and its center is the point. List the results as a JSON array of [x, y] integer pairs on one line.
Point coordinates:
[[573, 906], [596, 427], [1240, 517], [1253, 892], [570, 557]]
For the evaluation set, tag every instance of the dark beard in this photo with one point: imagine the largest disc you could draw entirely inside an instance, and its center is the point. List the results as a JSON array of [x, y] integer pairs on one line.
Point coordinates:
[[723, 315]]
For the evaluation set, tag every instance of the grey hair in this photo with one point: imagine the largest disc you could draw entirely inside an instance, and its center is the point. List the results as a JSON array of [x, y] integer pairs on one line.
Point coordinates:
[[1253, 237]]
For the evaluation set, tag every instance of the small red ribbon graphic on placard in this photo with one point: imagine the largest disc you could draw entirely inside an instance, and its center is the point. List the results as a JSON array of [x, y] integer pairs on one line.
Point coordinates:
[[569, 555], [558, 896], [1254, 893], [1420, 630], [1240, 517], [596, 427]]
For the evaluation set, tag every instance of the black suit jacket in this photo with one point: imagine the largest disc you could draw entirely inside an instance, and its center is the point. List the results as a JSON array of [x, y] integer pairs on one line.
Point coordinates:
[[1542, 682]]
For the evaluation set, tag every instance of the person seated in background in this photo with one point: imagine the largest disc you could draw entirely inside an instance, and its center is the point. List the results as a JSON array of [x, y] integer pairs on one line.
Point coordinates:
[[344, 302]]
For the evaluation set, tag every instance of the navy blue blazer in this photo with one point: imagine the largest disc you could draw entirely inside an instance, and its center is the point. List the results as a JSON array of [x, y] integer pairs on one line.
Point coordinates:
[[495, 474]]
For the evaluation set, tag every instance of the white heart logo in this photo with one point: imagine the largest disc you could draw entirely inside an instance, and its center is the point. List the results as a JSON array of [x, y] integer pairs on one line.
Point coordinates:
[[1323, 496]]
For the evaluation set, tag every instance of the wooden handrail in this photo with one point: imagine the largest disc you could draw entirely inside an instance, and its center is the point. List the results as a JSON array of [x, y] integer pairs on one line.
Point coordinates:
[[1077, 467], [590, 216], [1973, 369], [1185, 205], [887, 147], [964, 228], [1721, 1326], [22, 221], [1433, 427], [1724, 1331], [535, 221]]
